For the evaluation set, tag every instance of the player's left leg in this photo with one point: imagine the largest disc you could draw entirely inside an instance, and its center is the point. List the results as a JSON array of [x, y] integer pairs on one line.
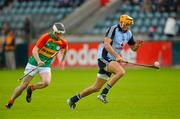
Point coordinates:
[[25, 82], [18, 90], [45, 81]]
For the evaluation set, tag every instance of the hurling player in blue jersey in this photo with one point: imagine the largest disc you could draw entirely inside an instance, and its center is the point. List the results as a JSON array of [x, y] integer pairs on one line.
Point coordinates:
[[109, 60]]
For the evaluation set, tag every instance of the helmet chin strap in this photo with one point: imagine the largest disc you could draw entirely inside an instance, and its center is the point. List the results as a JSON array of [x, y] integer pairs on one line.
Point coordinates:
[[54, 35]]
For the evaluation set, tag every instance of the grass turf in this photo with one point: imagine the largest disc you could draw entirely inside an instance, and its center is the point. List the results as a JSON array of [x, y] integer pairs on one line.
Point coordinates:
[[140, 94]]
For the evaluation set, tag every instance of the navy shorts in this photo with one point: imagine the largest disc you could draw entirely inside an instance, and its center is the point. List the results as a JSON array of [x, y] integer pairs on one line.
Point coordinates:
[[103, 73]]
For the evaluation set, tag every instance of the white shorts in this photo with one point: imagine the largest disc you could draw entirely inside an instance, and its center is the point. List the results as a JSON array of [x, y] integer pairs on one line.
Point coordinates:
[[103, 76], [30, 67]]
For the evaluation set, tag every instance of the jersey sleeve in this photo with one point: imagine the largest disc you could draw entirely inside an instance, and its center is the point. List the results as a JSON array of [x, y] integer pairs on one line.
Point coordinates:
[[42, 40], [111, 32], [64, 44], [131, 41]]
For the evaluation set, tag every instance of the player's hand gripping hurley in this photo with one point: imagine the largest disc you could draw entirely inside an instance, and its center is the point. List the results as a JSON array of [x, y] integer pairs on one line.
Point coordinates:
[[37, 67]]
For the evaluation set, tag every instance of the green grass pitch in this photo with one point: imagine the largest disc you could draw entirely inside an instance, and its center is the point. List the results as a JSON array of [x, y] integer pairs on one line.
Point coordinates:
[[140, 94]]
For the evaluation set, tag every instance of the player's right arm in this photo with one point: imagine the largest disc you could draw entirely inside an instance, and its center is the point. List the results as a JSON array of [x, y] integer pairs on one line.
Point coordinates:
[[36, 56], [40, 43], [107, 43], [108, 47]]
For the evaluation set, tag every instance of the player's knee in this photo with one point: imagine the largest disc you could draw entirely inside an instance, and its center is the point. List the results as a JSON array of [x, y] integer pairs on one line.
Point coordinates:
[[123, 72], [46, 83], [120, 73]]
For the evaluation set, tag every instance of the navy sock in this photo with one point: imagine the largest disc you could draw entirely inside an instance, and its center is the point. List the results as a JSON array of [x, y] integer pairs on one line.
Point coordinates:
[[106, 90], [76, 98]]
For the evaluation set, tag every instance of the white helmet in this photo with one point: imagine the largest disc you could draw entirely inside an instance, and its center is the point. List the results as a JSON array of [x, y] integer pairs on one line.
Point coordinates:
[[59, 28]]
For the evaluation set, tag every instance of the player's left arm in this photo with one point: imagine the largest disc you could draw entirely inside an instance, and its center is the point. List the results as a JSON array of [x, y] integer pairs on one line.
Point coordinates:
[[135, 45], [63, 54], [62, 62]]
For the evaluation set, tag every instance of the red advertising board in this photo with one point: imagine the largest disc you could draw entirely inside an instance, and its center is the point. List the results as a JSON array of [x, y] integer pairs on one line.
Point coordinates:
[[150, 52], [155, 51], [85, 54]]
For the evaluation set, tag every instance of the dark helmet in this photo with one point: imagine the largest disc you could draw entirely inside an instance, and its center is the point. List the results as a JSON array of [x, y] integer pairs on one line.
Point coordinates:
[[59, 28]]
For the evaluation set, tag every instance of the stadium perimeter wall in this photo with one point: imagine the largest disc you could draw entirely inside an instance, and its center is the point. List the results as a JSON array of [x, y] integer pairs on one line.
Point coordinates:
[[83, 52], [176, 52]]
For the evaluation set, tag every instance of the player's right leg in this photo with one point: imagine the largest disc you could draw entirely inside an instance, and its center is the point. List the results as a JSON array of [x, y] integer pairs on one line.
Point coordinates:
[[26, 80], [87, 91], [18, 90], [118, 72]]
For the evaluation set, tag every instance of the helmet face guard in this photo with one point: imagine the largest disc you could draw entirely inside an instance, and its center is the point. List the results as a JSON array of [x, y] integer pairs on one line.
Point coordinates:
[[126, 20], [59, 28]]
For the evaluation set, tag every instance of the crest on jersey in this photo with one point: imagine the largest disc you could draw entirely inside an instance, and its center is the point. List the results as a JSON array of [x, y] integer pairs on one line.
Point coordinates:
[[122, 44], [58, 48], [47, 44]]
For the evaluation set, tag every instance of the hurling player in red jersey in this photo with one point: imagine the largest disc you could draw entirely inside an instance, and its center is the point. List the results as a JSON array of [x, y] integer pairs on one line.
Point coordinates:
[[43, 52]]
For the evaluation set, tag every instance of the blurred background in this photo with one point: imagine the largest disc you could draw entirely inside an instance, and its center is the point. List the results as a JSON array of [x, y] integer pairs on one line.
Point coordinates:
[[157, 22], [142, 94]]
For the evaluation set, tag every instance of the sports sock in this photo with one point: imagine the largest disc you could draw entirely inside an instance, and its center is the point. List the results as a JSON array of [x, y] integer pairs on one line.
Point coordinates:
[[106, 90], [11, 101], [76, 98], [31, 87]]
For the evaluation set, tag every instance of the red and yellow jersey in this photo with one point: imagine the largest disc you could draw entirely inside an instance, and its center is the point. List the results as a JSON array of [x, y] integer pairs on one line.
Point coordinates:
[[48, 45]]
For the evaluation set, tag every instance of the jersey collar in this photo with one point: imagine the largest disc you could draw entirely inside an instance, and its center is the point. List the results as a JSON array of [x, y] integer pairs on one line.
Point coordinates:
[[53, 37], [120, 29]]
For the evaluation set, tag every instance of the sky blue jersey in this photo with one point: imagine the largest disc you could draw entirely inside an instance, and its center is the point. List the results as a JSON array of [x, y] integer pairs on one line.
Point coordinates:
[[119, 39]]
